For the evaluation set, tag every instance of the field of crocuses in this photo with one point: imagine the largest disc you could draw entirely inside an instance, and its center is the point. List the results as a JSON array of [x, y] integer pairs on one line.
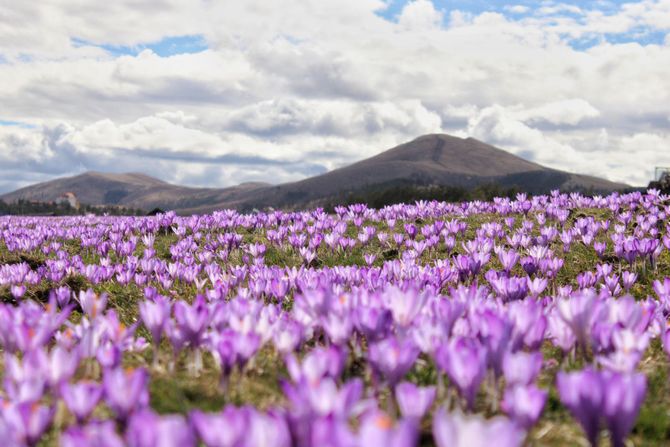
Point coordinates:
[[534, 321]]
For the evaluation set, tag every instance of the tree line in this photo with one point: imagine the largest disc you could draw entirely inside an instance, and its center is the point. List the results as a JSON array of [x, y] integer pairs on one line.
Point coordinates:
[[32, 208]]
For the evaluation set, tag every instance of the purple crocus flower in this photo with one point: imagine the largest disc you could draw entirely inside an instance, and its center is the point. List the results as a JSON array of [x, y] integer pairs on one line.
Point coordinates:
[[27, 421], [662, 289], [458, 430], [99, 434], [24, 388], [524, 404], [323, 397], [582, 393], [392, 358], [59, 365], [536, 285], [147, 429], [411, 230], [464, 361], [561, 334], [91, 303], [628, 313], [225, 429], [465, 266], [81, 398], [227, 356], [108, 355], [193, 319], [414, 401], [508, 259], [154, 315], [404, 305], [338, 326], [665, 339], [521, 368], [530, 265], [373, 322], [428, 333], [619, 360], [579, 312], [61, 295], [529, 324], [628, 279], [377, 429], [509, 288], [246, 346], [313, 302], [319, 363], [177, 339], [600, 248], [591, 395], [18, 291], [269, 428], [125, 390], [495, 333], [586, 279], [327, 431], [623, 397], [287, 335]]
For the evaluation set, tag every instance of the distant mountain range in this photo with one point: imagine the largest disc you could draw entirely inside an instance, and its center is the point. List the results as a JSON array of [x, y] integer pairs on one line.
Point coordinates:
[[430, 160]]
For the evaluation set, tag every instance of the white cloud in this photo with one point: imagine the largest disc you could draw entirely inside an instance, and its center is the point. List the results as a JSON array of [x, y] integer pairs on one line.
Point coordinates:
[[501, 126], [570, 112], [628, 158], [517, 9], [340, 118], [560, 8], [286, 91], [420, 15]]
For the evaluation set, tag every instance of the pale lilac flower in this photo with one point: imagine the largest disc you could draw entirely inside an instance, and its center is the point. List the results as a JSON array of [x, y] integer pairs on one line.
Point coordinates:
[[524, 404], [392, 358], [464, 361], [125, 390], [378, 429], [414, 401], [91, 303], [582, 392], [81, 398], [521, 368], [147, 429], [623, 397], [98, 434], [404, 305], [27, 421], [458, 430]]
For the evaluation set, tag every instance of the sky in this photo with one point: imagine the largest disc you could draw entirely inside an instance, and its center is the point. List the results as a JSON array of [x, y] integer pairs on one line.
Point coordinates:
[[220, 92]]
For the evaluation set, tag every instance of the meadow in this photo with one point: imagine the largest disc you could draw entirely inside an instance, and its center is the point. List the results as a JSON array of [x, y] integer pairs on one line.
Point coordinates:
[[528, 321]]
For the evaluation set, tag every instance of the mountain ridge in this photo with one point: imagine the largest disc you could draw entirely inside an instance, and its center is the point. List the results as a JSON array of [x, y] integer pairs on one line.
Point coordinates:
[[433, 159]]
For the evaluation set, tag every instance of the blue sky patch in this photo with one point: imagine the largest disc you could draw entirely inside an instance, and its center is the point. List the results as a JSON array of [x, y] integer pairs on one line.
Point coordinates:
[[16, 124], [168, 46], [522, 9]]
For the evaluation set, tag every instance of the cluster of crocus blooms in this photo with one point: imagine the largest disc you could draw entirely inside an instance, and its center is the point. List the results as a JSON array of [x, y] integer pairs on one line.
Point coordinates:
[[393, 326]]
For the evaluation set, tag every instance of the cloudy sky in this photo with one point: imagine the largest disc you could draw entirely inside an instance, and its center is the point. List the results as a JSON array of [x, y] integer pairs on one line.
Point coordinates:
[[218, 92]]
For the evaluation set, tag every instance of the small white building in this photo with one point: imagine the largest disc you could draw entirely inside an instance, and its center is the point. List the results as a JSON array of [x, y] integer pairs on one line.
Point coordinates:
[[69, 198]]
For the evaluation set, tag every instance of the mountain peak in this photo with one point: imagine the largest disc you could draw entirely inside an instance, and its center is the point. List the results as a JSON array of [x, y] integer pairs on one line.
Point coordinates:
[[433, 159], [463, 156]]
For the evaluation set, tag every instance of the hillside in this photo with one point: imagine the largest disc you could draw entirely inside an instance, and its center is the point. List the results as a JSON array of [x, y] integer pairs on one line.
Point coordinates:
[[430, 160], [91, 187], [129, 190], [436, 159]]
